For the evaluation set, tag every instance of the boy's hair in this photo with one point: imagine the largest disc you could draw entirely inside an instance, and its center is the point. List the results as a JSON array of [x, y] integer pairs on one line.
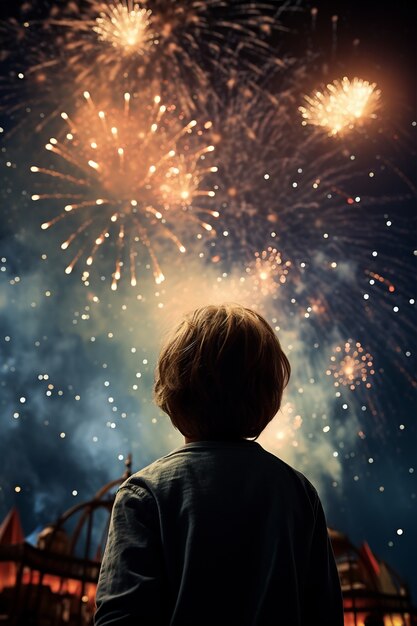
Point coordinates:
[[221, 374]]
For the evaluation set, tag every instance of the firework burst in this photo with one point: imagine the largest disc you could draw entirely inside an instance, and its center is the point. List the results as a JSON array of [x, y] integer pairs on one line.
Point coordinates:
[[127, 27], [132, 175], [343, 105], [351, 366], [175, 47], [268, 271]]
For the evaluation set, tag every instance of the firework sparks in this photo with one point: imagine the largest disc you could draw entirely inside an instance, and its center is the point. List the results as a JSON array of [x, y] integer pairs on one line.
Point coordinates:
[[276, 178], [268, 271], [342, 105], [29, 90], [127, 27], [351, 366], [125, 180], [246, 139], [171, 46]]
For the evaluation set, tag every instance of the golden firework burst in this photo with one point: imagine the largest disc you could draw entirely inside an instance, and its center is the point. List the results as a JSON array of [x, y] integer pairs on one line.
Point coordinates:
[[127, 27], [351, 366], [131, 177], [342, 105]]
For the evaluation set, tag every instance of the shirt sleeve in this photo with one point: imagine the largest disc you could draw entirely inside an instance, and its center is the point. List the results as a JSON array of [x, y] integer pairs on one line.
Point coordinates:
[[323, 600], [131, 589]]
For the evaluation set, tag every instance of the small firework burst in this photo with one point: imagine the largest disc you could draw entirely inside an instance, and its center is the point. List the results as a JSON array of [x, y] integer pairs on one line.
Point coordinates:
[[268, 271], [351, 366], [127, 27], [342, 105], [124, 179]]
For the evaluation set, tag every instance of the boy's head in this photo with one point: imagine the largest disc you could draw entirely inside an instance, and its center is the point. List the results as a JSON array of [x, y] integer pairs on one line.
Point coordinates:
[[221, 374]]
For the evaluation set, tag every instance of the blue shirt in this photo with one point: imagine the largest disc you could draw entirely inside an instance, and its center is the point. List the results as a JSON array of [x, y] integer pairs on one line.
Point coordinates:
[[218, 533]]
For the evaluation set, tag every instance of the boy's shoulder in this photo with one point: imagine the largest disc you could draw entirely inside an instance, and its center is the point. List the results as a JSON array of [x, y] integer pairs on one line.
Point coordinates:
[[172, 464], [290, 471], [154, 470]]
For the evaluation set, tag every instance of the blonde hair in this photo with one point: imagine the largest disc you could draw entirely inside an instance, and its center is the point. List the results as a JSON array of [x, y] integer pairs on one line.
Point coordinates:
[[221, 374]]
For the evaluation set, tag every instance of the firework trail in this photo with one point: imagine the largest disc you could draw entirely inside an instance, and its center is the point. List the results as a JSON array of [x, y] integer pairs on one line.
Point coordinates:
[[132, 175], [277, 178], [30, 90], [174, 47]]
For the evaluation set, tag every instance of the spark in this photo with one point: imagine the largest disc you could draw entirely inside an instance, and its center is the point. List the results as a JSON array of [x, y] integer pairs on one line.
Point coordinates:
[[342, 105], [351, 365], [132, 175]]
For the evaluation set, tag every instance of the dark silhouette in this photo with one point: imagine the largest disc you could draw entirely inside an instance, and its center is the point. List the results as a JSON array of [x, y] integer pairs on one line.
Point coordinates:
[[374, 619]]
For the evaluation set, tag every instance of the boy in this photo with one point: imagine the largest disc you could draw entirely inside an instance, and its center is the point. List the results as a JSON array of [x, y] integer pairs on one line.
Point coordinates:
[[219, 532]]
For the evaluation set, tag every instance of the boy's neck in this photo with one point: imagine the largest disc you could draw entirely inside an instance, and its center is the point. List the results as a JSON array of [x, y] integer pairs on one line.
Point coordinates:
[[188, 440], [196, 439]]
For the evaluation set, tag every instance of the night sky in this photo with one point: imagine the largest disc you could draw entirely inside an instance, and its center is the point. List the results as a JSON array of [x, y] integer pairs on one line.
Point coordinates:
[[315, 231]]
